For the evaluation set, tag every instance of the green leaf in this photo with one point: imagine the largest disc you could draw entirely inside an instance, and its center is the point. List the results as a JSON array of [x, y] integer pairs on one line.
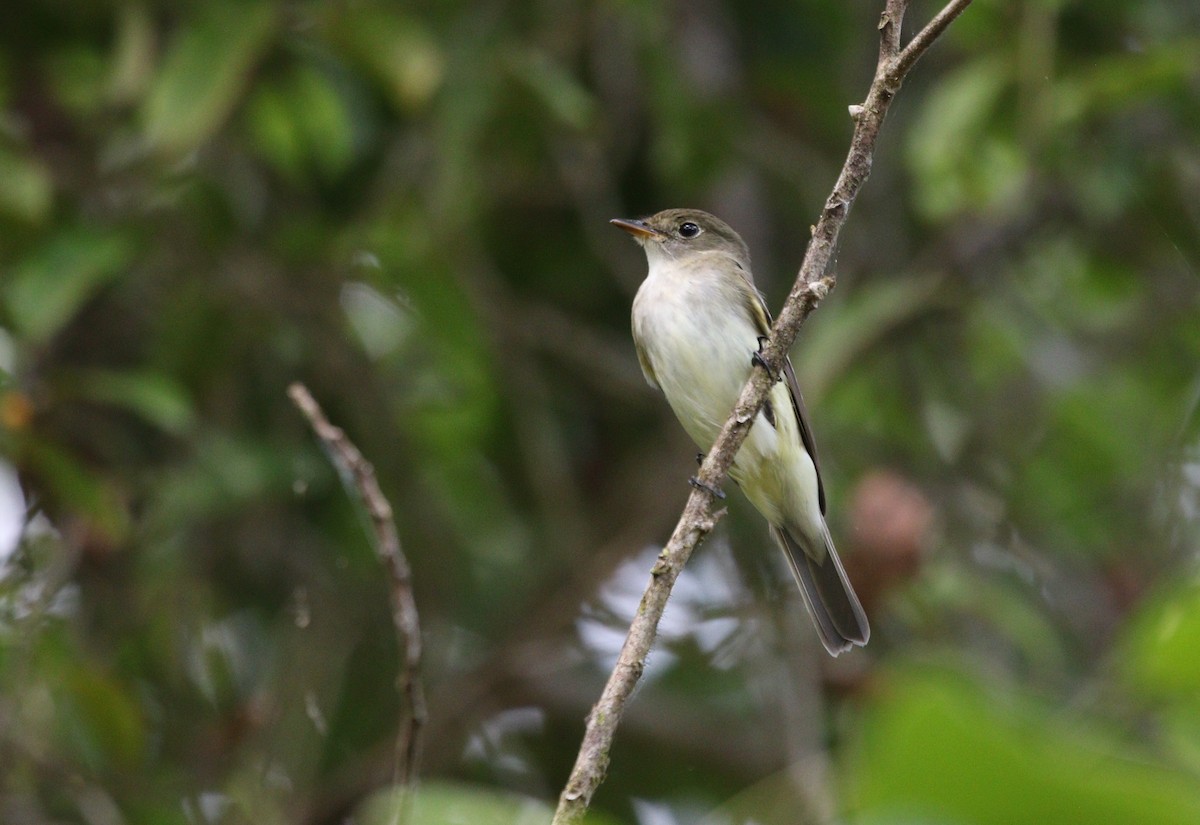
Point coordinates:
[[275, 131], [75, 75], [101, 719], [132, 63], [303, 125], [49, 287], [397, 50], [1125, 80], [554, 87], [155, 397], [78, 489], [26, 189], [204, 74], [958, 151], [1159, 647], [834, 341], [938, 748]]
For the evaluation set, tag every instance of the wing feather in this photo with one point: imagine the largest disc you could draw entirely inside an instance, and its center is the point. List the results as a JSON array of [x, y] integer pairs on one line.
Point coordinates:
[[761, 316]]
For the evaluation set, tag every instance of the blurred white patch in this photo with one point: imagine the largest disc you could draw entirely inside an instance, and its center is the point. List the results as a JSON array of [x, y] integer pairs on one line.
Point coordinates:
[[301, 612], [8, 352], [656, 812], [998, 557], [1189, 490], [207, 807], [312, 709], [366, 260], [12, 513], [1191, 472], [227, 657], [1058, 361], [701, 610], [497, 742], [948, 428], [97, 807], [381, 324]]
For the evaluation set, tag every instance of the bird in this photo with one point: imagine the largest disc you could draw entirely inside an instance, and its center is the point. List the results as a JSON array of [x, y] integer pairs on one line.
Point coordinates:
[[698, 327]]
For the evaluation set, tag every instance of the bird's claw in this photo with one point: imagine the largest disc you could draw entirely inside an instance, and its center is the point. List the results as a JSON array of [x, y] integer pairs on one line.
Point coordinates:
[[756, 358], [695, 482]]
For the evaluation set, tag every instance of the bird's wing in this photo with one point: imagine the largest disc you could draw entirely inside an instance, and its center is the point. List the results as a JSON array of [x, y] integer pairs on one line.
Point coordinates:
[[761, 317]]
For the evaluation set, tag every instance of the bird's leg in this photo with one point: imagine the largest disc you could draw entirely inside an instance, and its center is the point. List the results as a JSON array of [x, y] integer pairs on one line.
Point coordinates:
[[757, 358], [695, 482], [700, 458]]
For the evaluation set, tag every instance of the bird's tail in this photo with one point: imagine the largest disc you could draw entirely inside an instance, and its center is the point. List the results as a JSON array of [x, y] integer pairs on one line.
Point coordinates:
[[830, 599]]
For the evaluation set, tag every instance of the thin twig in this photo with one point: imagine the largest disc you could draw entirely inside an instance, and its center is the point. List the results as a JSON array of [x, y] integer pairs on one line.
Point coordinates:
[[698, 517], [925, 37], [359, 477]]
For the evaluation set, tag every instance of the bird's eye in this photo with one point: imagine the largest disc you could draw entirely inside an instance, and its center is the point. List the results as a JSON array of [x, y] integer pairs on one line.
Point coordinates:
[[687, 229]]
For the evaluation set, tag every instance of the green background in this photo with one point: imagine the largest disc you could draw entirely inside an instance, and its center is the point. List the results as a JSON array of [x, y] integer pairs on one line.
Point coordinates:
[[405, 206]]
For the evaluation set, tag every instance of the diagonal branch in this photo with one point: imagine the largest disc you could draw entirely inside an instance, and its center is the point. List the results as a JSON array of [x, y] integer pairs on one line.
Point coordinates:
[[359, 477], [925, 37], [698, 517]]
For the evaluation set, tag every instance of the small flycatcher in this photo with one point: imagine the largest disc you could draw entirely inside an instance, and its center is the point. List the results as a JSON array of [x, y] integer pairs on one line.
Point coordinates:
[[698, 323]]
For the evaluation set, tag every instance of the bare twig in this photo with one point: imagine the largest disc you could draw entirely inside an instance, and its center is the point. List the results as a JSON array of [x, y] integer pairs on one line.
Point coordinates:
[[359, 477], [698, 518]]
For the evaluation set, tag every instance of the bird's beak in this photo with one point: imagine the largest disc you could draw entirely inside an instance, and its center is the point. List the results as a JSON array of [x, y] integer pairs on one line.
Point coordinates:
[[640, 230]]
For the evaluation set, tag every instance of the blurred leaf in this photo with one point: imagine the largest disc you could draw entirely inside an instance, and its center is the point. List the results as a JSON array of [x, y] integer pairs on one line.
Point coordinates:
[[100, 717], [936, 747], [396, 48], [204, 73], [275, 130], [225, 474], [453, 398], [1101, 445], [997, 342], [1007, 610], [157, 398], [1159, 648], [133, 55], [554, 87], [863, 319], [26, 188], [959, 158], [302, 125], [1179, 725], [76, 74], [1126, 79], [78, 489], [49, 286], [1068, 285]]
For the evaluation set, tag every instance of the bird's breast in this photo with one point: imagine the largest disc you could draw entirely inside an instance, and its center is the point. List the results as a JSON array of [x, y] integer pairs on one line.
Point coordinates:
[[694, 330]]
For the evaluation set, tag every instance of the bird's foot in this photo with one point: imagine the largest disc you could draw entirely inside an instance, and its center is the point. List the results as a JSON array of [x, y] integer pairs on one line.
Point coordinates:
[[695, 482], [757, 359]]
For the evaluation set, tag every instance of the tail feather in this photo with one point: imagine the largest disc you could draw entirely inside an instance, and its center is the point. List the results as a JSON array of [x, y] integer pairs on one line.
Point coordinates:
[[827, 593]]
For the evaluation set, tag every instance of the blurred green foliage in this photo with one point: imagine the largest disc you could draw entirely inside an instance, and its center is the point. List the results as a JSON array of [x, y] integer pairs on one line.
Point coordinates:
[[405, 207]]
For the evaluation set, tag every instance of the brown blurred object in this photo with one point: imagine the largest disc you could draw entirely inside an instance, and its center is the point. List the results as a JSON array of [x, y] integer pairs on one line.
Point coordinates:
[[16, 410], [890, 520]]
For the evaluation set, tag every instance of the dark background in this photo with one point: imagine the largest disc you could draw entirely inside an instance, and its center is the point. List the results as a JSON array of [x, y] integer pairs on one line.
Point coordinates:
[[405, 206]]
